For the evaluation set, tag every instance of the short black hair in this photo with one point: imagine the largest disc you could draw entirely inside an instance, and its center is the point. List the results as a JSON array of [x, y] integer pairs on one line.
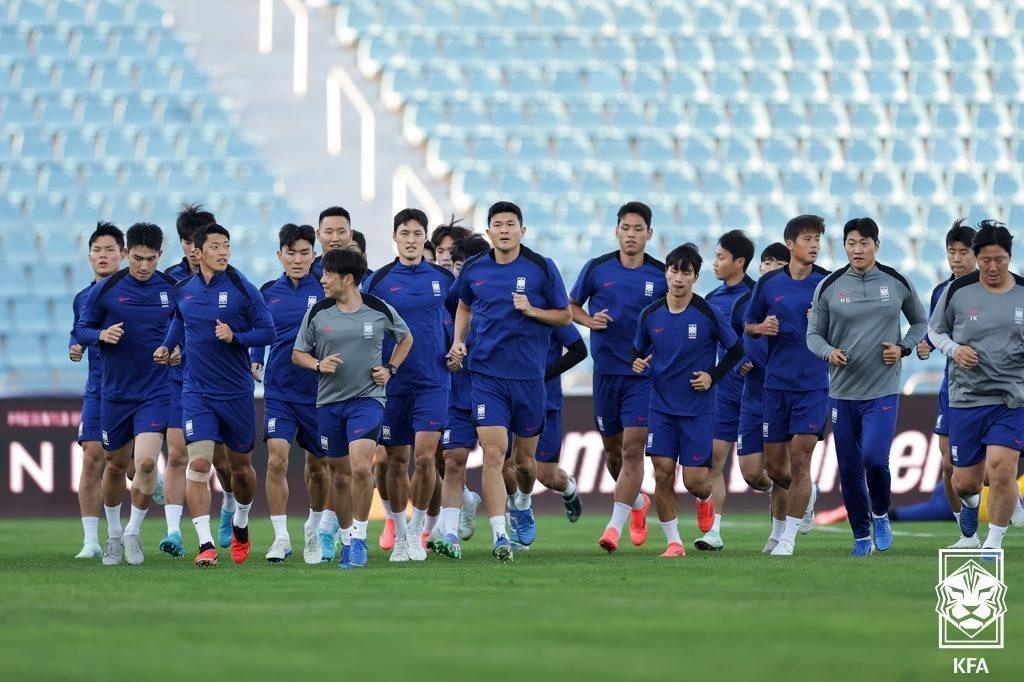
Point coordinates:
[[504, 207], [291, 233], [407, 214], [685, 256], [333, 211], [345, 262], [429, 246], [451, 229], [960, 233], [803, 223], [739, 245], [465, 249], [775, 251], [638, 207], [145, 234], [191, 218], [106, 229], [992, 233], [360, 239], [200, 236], [865, 227]]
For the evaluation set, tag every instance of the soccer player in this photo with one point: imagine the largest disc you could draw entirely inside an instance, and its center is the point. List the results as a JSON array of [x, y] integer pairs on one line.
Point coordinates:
[[618, 286], [219, 315], [796, 381], [106, 251], [342, 337], [514, 296], [290, 396], [678, 337], [749, 443], [855, 327], [732, 257], [978, 323], [334, 231], [962, 261], [429, 252], [128, 315], [417, 398], [444, 238]]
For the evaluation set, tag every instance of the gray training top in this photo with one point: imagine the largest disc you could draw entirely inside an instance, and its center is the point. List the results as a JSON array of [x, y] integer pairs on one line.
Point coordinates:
[[357, 337], [857, 311], [992, 324]]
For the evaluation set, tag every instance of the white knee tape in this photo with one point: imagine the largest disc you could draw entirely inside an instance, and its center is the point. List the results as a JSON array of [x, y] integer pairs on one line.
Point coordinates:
[[196, 451]]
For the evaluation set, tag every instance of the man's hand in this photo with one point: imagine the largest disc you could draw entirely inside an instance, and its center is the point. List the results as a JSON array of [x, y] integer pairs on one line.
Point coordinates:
[[457, 351], [522, 304], [746, 368], [380, 375], [224, 332], [112, 334], [175, 358], [255, 368], [76, 352], [770, 326], [891, 353], [641, 364], [330, 363], [966, 357], [837, 358], [600, 320], [701, 381], [924, 350], [453, 364], [161, 355]]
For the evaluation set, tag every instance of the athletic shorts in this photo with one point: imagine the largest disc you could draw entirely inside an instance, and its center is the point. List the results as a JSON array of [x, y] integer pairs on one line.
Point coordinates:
[[231, 422], [549, 447], [686, 440], [89, 428], [291, 422], [409, 413], [942, 418], [727, 417], [122, 420], [459, 430], [790, 413], [516, 404], [174, 413], [972, 428], [749, 440], [341, 423], [621, 402]]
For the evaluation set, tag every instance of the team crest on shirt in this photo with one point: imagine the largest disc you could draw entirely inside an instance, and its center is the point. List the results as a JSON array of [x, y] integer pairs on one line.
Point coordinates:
[[648, 288], [271, 424], [884, 293], [188, 427], [436, 286], [367, 330], [222, 299], [310, 302], [481, 411], [1018, 316], [692, 331], [844, 297], [385, 432], [835, 415], [520, 285], [165, 300], [323, 442]]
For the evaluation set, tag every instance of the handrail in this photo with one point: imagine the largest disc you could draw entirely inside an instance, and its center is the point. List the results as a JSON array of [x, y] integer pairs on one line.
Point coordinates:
[[406, 179], [340, 83], [300, 41]]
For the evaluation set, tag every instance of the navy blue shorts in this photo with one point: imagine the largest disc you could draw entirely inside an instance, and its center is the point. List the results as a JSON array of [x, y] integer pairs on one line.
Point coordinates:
[[122, 420], [549, 447], [942, 418], [686, 440], [231, 422], [516, 404], [341, 423], [727, 417], [621, 402], [972, 428], [459, 430], [174, 414], [89, 428], [409, 413], [291, 422], [790, 413], [749, 440]]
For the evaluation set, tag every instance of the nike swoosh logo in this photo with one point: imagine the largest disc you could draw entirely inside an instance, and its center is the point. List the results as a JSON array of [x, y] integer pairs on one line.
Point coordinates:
[[123, 299], [886, 407], [154, 424], [434, 423], [394, 289], [658, 330], [358, 431], [608, 284], [189, 298], [779, 298], [480, 283], [275, 300], [328, 330]]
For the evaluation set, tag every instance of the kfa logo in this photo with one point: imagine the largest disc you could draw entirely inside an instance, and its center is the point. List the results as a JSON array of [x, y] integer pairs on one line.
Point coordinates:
[[81, 429], [272, 425], [764, 429], [938, 422], [446, 438], [323, 442], [310, 302], [188, 427], [884, 292], [1018, 316], [692, 331], [520, 284], [165, 300], [385, 432], [600, 424], [739, 442], [650, 440], [367, 330], [436, 286], [106, 439], [971, 599], [648, 288], [844, 297], [972, 315], [953, 454], [835, 415], [222, 299], [481, 411]]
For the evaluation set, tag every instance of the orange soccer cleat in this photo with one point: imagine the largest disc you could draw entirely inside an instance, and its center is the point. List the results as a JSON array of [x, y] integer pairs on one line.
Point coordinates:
[[207, 557], [239, 550], [638, 522], [705, 515], [674, 550], [609, 540], [387, 536], [423, 540]]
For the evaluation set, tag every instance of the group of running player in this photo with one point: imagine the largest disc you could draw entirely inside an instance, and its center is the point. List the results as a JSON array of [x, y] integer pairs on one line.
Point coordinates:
[[426, 358]]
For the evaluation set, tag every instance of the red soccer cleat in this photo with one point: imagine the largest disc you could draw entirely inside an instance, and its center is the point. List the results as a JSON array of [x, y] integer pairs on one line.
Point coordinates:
[[239, 550], [638, 522], [609, 540], [207, 558], [387, 536], [674, 550], [705, 515], [423, 540]]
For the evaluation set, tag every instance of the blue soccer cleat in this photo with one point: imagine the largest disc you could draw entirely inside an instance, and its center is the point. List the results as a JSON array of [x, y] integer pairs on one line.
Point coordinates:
[[525, 525], [327, 546], [883, 533], [449, 546], [224, 530], [173, 545], [345, 562], [502, 549], [968, 521], [861, 547], [357, 553]]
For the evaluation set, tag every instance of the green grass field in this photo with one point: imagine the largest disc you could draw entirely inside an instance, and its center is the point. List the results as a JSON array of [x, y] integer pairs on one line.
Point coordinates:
[[563, 610]]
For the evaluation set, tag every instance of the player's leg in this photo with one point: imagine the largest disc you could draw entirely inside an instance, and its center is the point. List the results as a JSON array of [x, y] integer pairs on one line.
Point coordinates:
[[552, 476], [238, 424], [320, 488], [113, 489], [398, 492], [174, 485], [460, 433], [1001, 472], [805, 419], [451, 497], [228, 503], [726, 427], [276, 483], [90, 498], [666, 504], [608, 419], [967, 429], [361, 461], [202, 433], [146, 450], [696, 453], [526, 421], [849, 438], [431, 530], [386, 541], [491, 399], [422, 485], [628, 502], [341, 492], [699, 482], [878, 428]]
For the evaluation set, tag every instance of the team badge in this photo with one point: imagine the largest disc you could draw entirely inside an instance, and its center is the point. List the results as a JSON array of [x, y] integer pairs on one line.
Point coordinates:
[[648, 288], [600, 424], [310, 302], [385, 432], [165, 300], [367, 330], [520, 284], [436, 286], [481, 411], [764, 429], [188, 427], [271, 424], [692, 331], [106, 440], [835, 415], [1018, 316], [650, 439], [222, 299], [884, 292], [953, 454], [323, 443], [447, 437]]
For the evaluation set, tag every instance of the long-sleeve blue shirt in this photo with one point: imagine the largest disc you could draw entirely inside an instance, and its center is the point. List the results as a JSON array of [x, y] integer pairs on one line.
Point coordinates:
[[288, 303], [936, 294], [217, 369], [723, 298], [180, 272], [94, 382], [755, 351], [128, 370]]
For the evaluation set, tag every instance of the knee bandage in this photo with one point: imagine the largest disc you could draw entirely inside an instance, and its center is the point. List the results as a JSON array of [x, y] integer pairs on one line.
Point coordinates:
[[200, 450], [145, 481]]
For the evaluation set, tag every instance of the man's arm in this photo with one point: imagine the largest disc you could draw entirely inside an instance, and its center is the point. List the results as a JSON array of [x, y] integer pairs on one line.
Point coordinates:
[[914, 312], [86, 330], [575, 353], [262, 331], [556, 317], [817, 325], [401, 351], [940, 326], [304, 359]]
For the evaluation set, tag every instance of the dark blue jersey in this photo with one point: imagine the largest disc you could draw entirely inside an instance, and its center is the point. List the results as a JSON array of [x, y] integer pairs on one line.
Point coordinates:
[[317, 270], [418, 293], [92, 351], [791, 365], [722, 299], [507, 344], [683, 343], [936, 293], [462, 385], [145, 308], [561, 338], [288, 303], [755, 351], [624, 292], [180, 272], [217, 369]]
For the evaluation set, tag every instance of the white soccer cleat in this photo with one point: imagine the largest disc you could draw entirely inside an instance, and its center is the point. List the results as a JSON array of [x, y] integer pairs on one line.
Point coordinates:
[[467, 517], [312, 550], [280, 550], [417, 552], [1017, 520], [133, 549], [90, 550], [966, 543], [769, 546], [112, 552], [807, 522], [400, 552], [783, 548]]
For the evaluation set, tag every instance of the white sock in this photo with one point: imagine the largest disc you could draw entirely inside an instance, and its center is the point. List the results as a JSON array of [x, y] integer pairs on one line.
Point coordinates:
[[172, 514], [971, 501], [521, 500], [449, 520], [135, 521], [241, 519], [280, 524], [510, 502], [879, 516], [358, 529], [792, 527], [570, 487], [956, 515], [418, 521], [620, 512], [313, 522], [638, 503], [345, 535], [497, 526], [91, 530], [113, 515], [401, 525], [387, 507], [467, 497], [227, 503], [717, 525], [671, 529], [202, 525], [995, 537], [329, 521], [778, 527], [431, 522]]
